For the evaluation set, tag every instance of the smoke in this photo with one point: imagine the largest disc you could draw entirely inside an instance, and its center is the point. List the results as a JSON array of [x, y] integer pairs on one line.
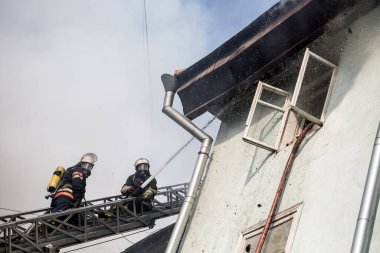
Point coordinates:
[[73, 81], [287, 3]]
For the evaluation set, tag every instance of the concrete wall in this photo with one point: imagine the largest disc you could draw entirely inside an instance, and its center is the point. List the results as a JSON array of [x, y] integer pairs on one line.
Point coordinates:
[[328, 174]]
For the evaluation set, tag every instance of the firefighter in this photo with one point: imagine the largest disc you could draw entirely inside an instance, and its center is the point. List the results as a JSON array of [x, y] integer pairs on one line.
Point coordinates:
[[132, 187], [73, 186]]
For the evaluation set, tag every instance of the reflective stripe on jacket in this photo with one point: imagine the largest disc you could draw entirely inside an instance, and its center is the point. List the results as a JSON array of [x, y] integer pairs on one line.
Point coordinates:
[[64, 194]]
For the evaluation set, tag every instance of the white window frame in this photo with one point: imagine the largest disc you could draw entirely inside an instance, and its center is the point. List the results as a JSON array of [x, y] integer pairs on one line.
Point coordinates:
[[284, 109], [289, 105], [293, 212], [297, 89]]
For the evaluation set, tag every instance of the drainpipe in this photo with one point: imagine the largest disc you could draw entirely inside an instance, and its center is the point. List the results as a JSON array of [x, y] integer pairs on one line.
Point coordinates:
[[171, 87], [370, 201]]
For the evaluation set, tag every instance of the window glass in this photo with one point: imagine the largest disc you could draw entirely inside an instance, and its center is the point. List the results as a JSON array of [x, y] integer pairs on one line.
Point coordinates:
[[270, 116], [273, 98], [267, 117], [275, 241], [265, 124], [280, 236], [314, 87]]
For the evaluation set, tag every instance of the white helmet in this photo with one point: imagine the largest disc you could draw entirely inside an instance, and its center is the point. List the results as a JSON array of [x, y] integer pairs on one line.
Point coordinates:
[[142, 161], [89, 158]]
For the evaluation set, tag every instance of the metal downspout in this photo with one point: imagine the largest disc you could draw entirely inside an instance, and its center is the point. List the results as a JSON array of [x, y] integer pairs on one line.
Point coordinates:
[[370, 200], [171, 86]]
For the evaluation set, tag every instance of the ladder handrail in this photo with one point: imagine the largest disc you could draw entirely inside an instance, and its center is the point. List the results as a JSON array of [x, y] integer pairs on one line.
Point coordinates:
[[78, 210], [118, 196], [40, 210], [8, 216]]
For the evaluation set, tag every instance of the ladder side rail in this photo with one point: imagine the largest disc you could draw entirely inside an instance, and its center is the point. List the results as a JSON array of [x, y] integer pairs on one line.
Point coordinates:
[[58, 214], [116, 197], [80, 236], [40, 211], [162, 209], [183, 186], [44, 220], [77, 210], [21, 214]]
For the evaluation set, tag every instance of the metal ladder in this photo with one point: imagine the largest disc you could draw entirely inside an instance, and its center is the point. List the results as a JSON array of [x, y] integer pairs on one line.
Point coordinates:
[[41, 231]]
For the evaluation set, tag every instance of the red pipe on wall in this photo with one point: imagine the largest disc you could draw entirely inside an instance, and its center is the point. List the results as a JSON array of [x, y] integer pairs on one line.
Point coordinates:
[[281, 186]]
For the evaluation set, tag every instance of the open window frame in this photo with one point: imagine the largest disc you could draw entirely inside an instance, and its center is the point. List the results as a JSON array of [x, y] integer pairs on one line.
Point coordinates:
[[282, 109], [291, 106], [300, 80]]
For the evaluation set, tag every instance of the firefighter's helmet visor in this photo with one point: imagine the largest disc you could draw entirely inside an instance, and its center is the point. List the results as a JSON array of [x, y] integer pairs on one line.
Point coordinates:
[[142, 167], [87, 166]]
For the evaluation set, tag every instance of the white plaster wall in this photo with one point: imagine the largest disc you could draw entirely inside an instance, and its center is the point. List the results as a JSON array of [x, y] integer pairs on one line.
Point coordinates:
[[328, 174], [341, 151]]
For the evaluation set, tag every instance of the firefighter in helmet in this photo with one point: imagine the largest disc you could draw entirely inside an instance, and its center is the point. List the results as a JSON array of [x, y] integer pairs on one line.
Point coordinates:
[[132, 187], [73, 186]]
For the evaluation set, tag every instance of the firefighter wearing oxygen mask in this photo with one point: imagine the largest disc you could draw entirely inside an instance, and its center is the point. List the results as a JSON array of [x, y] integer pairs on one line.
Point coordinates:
[[73, 186], [132, 187]]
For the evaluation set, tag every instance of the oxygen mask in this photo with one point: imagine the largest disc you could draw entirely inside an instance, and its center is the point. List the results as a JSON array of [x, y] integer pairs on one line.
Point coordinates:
[[87, 168], [143, 169]]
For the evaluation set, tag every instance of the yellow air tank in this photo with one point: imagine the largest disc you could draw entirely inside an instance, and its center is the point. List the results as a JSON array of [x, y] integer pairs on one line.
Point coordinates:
[[55, 179]]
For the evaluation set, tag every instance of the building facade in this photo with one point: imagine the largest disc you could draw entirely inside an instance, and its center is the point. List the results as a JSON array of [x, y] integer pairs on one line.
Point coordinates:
[[328, 75]]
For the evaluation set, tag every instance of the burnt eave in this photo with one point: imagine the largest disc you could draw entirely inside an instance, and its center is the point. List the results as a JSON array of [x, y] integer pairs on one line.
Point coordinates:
[[154, 243], [276, 34]]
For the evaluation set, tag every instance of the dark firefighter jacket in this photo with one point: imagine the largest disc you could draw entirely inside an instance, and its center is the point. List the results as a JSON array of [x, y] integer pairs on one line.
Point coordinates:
[[73, 183], [136, 180]]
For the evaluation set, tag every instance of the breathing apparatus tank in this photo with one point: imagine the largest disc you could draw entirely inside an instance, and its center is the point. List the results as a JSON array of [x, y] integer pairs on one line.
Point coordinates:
[[55, 179]]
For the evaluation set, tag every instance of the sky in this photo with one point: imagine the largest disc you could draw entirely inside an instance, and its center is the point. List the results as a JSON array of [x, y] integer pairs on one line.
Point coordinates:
[[74, 79]]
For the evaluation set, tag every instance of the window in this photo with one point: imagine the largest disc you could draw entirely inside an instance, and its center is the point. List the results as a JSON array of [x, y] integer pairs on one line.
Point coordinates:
[[267, 116], [280, 235], [313, 87], [271, 111]]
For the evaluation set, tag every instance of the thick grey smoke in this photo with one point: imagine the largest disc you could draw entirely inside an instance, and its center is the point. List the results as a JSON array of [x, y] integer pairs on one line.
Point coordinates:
[[73, 80]]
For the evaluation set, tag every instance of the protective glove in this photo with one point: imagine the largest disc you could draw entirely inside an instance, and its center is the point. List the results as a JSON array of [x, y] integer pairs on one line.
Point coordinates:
[[127, 189], [149, 193]]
